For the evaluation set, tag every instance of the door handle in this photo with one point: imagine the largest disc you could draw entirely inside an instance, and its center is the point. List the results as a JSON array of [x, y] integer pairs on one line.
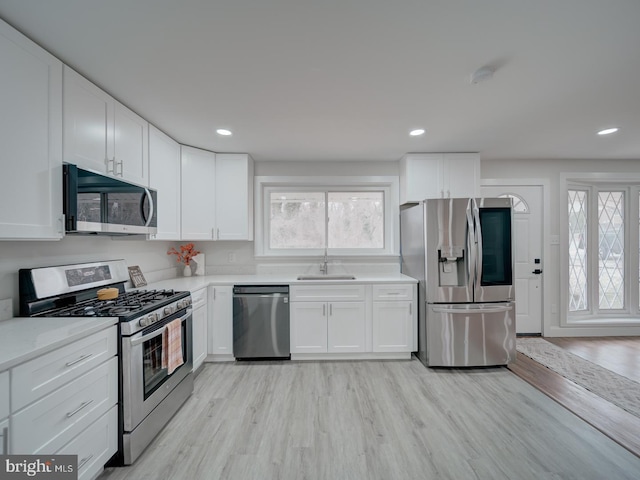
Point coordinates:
[[537, 271]]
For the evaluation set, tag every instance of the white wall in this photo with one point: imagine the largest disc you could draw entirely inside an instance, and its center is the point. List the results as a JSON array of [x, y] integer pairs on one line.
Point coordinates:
[[551, 170], [150, 256]]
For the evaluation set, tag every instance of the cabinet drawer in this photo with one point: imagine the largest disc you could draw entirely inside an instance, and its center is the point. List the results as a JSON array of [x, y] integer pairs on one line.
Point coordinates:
[[393, 292], [44, 374], [326, 293], [95, 445], [54, 420], [4, 394], [199, 298]]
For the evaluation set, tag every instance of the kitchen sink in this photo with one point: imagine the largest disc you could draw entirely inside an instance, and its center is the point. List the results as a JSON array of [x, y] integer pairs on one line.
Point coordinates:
[[326, 277]]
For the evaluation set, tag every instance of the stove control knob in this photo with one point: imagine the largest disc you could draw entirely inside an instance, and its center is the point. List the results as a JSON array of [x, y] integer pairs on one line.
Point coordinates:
[[180, 304], [144, 322], [167, 310], [187, 301], [152, 318]]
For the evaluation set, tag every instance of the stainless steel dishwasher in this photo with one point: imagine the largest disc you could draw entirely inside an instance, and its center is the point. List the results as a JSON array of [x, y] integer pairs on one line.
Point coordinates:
[[261, 322]]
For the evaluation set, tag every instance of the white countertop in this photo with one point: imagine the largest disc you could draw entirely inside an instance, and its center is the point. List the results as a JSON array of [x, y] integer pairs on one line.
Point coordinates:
[[24, 338], [194, 283]]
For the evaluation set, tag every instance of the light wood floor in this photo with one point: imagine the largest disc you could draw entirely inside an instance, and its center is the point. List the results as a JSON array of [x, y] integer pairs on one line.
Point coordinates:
[[618, 354], [374, 420]]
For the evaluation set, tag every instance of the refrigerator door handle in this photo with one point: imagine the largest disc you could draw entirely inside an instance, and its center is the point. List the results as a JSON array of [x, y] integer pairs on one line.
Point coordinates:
[[478, 230], [471, 260], [473, 310]]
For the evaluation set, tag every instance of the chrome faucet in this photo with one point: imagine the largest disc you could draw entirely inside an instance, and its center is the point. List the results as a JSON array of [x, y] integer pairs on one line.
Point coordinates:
[[324, 267]]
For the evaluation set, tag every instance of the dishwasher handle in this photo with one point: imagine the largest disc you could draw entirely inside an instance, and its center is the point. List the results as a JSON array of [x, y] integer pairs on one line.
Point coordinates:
[[259, 289]]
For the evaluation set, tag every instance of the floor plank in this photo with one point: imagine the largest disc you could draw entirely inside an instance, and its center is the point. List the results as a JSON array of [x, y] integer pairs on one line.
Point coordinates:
[[374, 420], [618, 424], [618, 354]]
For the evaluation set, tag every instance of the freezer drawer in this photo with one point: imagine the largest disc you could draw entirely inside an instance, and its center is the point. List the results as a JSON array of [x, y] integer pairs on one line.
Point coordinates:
[[470, 335]]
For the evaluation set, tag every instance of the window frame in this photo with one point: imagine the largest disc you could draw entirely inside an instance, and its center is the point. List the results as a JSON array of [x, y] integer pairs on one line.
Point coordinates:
[[593, 183], [264, 186]]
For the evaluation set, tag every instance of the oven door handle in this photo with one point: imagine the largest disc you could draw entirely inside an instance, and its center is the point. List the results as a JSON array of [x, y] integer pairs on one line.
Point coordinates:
[[155, 333]]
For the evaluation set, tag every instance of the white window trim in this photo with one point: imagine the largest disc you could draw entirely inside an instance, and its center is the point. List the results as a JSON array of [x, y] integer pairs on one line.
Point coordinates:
[[583, 180], [388, 184]]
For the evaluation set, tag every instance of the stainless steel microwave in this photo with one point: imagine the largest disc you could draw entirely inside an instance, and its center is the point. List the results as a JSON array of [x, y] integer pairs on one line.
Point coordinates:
[[98, 204]]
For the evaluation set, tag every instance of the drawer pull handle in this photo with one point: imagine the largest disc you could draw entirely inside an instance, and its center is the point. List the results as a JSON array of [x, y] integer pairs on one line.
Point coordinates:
[[78, 360], [84, 461], [393, 293], [84, 405]]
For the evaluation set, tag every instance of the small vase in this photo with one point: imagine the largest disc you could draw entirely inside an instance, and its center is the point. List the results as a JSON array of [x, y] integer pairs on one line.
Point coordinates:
[[187, 271]]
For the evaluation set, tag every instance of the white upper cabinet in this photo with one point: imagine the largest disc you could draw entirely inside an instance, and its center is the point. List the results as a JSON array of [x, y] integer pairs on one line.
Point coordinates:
[[198, 194], [101, 134], [217, 195], [234, 197], [164, 176], [439, 175], [30, 139]]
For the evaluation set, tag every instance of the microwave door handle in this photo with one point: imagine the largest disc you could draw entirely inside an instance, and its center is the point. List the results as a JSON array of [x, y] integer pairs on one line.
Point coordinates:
[[148, 195], [479, 253]]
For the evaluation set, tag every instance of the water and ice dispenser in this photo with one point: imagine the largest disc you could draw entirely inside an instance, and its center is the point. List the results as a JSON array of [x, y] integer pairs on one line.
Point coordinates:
[[451, 266]]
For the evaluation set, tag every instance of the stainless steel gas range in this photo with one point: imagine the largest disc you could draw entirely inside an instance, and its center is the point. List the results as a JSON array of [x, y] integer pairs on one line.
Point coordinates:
[[149, 395]]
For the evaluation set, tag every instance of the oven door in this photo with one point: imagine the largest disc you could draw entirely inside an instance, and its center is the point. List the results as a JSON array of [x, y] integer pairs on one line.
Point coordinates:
[[144, 382]]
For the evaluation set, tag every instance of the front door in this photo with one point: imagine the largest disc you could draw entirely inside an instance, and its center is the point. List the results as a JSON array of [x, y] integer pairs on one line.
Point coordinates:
[[527, 215]]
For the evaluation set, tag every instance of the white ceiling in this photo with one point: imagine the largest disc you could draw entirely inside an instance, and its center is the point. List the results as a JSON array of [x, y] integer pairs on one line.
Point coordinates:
[[347, 79]]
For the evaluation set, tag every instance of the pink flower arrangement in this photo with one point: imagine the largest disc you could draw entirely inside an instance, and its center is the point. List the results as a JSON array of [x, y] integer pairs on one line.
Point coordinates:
[[186, 253]]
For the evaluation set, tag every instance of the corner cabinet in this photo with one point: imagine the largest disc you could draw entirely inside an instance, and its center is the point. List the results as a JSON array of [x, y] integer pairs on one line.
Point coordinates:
[[164, 176], [101, 134], [198, 194], [439, 175], [31, 139], [234, 196], [217, 195]]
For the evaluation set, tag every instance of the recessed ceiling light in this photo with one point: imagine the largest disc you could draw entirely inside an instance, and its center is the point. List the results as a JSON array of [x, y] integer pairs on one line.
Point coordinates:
[[608, 131], [224, 132], [416, 132]]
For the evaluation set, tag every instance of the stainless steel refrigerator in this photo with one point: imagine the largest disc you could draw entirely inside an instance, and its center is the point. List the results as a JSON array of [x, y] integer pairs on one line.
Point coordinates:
[[461, 251]]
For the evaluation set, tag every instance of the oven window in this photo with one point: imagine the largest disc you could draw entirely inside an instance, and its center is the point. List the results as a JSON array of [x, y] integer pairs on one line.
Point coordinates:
[[153, 373]]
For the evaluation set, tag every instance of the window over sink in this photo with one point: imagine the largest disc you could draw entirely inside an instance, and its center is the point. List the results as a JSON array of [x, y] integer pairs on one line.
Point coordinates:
[[302, 219]]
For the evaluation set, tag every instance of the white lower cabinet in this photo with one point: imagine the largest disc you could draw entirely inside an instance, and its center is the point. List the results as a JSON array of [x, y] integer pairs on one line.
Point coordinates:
[[200, 326], [346, 327], [54, 420], [220, 334], [327, 327], [95, 446], [308, 327], [66, 402], [392, 326]]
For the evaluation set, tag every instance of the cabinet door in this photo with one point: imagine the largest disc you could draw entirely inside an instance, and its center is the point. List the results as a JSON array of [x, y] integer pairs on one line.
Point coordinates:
[[198, 194], [131, 141], [308, 327], [30, 139], [234, 197], [88, 124], [220, 333], [164, 176], [346, 327], [199, 336], [392, 326], [461, 175], [420, 177]]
